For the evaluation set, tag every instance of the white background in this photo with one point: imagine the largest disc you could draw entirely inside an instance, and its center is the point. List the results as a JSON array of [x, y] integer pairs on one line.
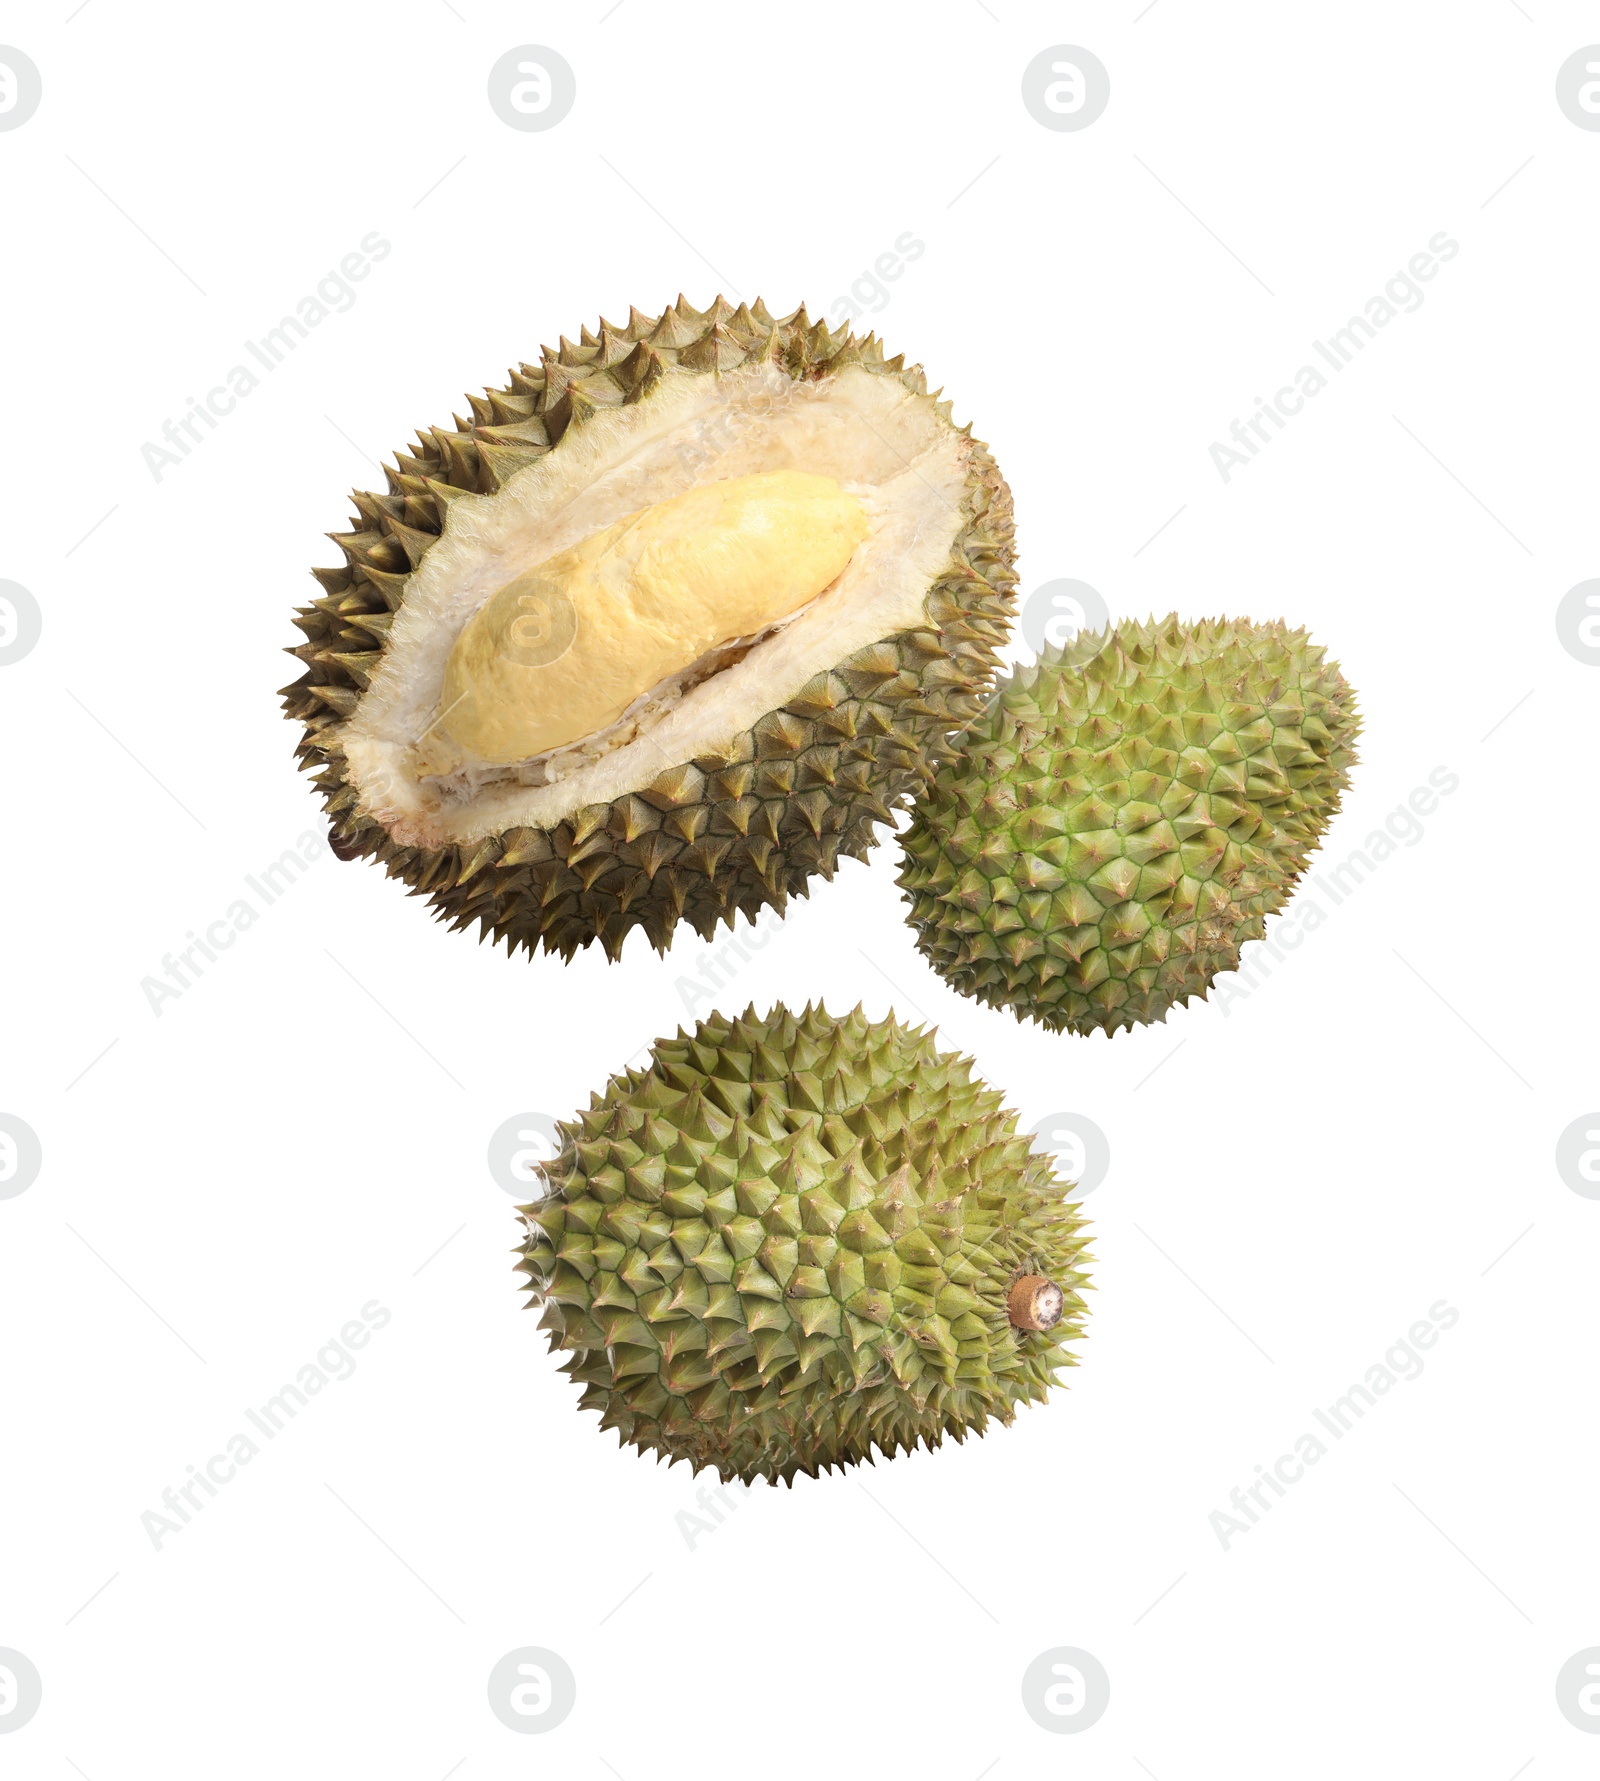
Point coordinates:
[[1296, 1175]]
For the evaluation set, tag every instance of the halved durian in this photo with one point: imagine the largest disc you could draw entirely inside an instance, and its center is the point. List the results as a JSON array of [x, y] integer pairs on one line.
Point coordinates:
[[665, 630]]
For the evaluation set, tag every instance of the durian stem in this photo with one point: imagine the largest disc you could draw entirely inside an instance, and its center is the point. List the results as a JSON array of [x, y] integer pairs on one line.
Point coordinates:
[[1035, 1303]]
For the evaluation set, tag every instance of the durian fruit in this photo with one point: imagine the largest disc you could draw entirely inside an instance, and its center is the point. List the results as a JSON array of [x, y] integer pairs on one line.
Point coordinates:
[[1124, 817], [659, 632], [791, 1240]]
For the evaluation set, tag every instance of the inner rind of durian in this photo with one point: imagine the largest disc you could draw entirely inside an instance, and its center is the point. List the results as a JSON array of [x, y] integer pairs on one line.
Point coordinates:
[[885, 446]]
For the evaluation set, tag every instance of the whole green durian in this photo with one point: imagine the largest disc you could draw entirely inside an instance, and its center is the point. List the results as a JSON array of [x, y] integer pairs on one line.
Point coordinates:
[[1125, 815], [793, 1239]]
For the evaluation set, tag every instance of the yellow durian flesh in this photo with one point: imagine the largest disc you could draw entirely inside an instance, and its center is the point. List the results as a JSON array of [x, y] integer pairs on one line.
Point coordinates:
[[562, 650]]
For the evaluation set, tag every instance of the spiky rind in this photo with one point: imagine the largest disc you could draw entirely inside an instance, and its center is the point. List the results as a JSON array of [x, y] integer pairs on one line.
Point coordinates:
[[1124, 817], [789, 1241], [739, 830]]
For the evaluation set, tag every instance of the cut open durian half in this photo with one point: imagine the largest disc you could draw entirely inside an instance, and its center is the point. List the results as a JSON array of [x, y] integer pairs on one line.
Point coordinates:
[[663, 631]]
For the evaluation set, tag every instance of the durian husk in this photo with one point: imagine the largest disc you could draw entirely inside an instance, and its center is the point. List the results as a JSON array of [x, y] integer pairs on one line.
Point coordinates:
[[1125, 816], [790, 1242], [740, 829]]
